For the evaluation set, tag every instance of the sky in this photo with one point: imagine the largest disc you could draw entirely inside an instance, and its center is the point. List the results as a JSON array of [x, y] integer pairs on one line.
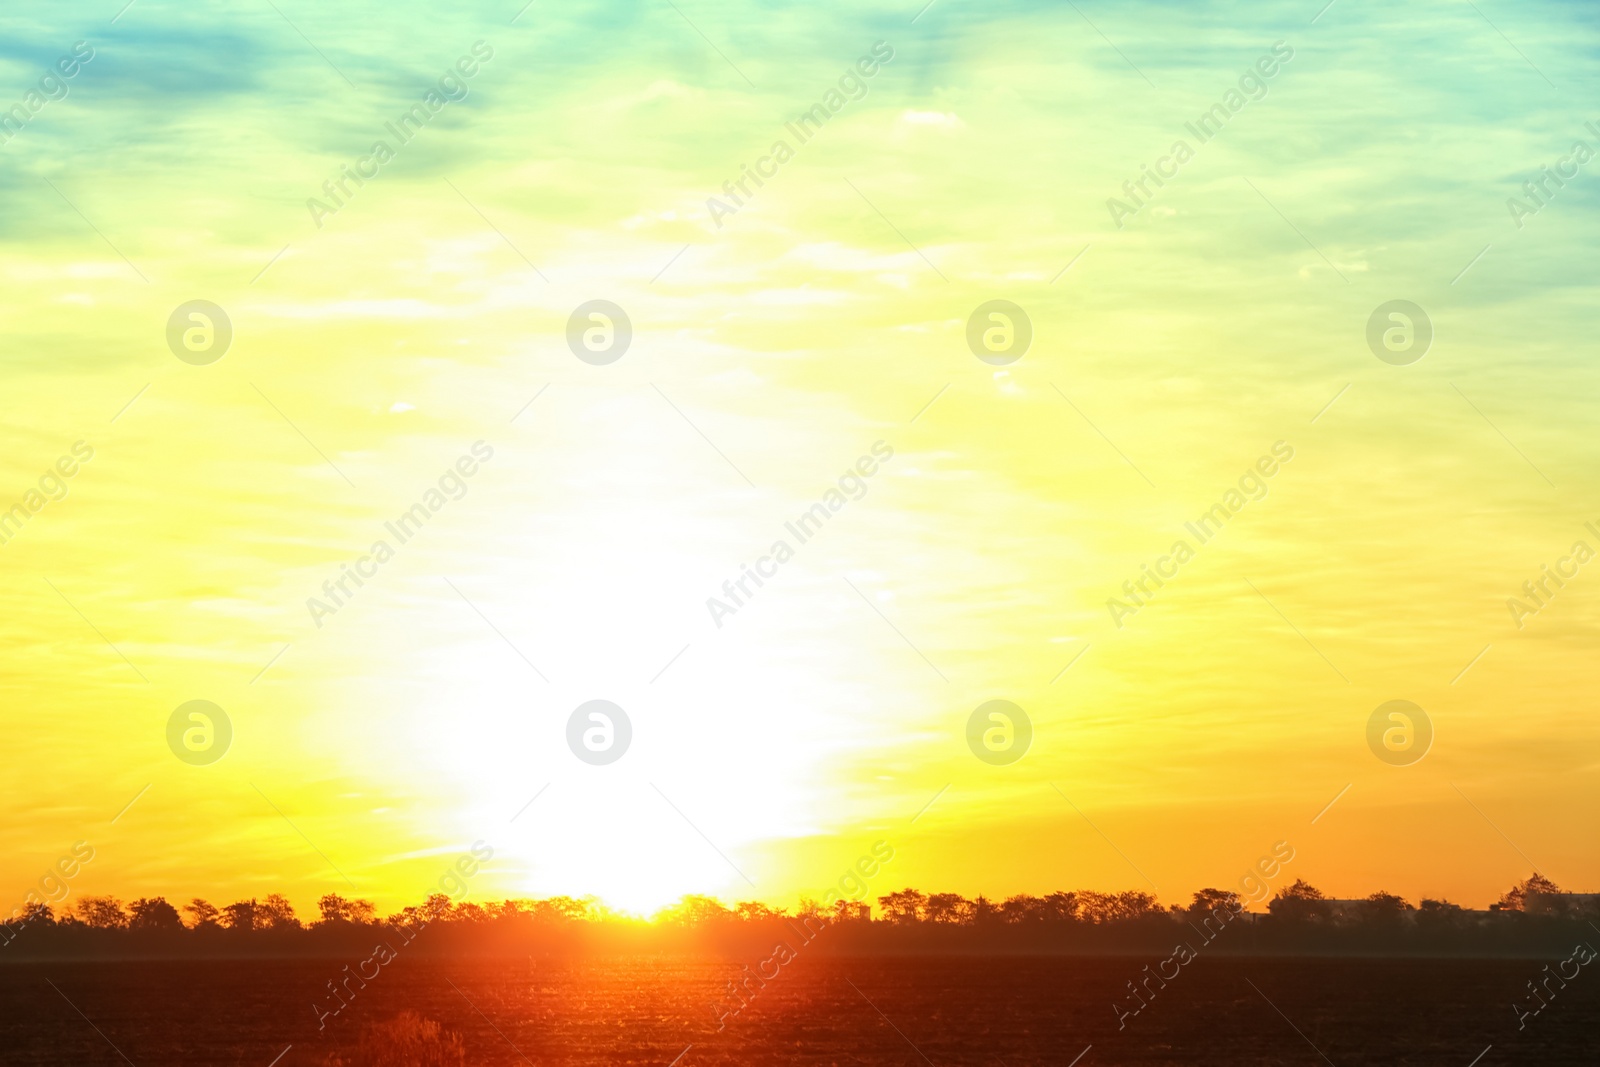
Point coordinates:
[[777, 337]]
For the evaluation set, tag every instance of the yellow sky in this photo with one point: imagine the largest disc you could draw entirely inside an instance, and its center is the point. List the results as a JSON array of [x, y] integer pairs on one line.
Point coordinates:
[[768, 355]]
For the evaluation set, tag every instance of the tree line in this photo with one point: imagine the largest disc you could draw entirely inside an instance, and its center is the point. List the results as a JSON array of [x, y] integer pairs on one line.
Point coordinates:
[[1297, 917]]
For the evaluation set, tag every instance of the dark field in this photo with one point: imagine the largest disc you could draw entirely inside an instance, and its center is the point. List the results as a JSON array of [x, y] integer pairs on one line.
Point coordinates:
[[980, 1011]]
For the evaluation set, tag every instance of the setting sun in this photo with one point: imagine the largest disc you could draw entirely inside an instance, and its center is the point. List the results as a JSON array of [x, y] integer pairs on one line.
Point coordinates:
[[1007, 485]]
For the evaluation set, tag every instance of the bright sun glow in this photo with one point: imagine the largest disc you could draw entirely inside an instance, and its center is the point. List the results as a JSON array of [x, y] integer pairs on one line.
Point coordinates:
[[406, 521]]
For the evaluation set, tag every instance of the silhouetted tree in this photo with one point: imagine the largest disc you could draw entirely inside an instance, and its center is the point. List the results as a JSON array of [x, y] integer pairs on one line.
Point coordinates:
[[1062, 907], [946, 908], [850, 911], [812, 908], [753, 911], [153, 913], [203, 914], [276, 913], [1300, 902], [241, 915], [1384, 909], [1536, 894], [1115, 907], [1133, 904], [470, 912], [559, 909], [336, 909], [1439, 917], [903, 907], [1096, 907], [694, 910], [434, 908], [1022, 909], [1208, 901], [104, 913]]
